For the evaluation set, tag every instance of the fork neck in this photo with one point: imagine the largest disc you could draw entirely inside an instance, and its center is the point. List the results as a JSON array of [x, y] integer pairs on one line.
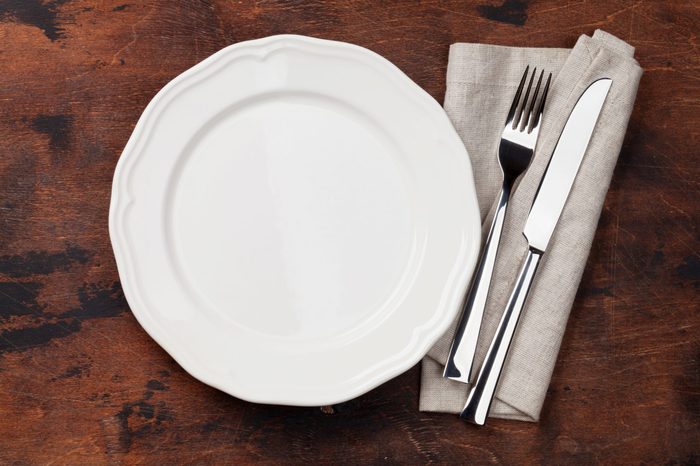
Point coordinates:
[[503, 198], [508, 183]]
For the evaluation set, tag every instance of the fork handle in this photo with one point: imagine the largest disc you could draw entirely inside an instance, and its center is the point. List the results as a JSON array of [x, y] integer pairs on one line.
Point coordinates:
[[481, 395], [461, 356]]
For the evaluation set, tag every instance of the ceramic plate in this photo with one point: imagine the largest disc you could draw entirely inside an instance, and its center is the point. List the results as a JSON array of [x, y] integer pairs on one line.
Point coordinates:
[[294, 220]]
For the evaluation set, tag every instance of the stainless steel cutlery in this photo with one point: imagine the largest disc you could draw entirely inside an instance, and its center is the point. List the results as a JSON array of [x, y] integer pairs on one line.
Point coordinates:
[[543, 217]]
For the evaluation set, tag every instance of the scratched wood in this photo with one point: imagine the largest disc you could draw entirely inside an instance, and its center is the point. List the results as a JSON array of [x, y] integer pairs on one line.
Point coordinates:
[[80, 382]]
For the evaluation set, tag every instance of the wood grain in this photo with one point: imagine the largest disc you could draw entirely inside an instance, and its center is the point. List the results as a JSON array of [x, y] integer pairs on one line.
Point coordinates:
[[80, 382]]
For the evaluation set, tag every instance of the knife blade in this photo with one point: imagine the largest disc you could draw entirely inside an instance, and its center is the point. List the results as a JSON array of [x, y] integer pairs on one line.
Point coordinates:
[[546, 209], [564, 164]]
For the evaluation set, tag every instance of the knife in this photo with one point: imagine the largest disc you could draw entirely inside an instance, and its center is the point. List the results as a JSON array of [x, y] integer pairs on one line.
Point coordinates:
[[543, 217]]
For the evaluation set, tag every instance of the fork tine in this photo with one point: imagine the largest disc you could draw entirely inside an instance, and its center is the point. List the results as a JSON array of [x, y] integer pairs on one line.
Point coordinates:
[[538, 114], [523, 103], [529, 117], [516, 99]]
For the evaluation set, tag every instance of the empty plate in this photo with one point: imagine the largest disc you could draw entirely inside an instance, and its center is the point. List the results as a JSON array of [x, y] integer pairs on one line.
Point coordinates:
[[294, 220]]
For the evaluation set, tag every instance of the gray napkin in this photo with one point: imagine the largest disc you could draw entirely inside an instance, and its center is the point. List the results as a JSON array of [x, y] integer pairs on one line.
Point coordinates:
[[481, 82]]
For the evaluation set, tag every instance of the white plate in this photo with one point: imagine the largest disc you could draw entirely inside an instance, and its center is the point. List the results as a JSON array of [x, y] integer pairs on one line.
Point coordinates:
[[294, 220]]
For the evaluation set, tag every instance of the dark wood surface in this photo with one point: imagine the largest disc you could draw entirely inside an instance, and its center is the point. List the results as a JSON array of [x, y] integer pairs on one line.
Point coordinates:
[[81, 382]]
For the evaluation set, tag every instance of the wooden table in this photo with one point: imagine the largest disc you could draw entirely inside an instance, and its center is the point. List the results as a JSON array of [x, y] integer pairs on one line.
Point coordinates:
[[81, 382]]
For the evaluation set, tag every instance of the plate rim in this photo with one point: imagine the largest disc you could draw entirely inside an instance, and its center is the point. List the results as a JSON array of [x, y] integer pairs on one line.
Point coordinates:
[[423, 337]]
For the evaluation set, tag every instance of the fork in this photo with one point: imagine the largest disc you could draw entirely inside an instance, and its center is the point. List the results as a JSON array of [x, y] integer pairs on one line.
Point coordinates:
[[515, 151]]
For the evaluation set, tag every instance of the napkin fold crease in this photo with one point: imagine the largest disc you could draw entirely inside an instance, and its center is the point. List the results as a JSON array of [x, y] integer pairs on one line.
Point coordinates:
[[481, 82]]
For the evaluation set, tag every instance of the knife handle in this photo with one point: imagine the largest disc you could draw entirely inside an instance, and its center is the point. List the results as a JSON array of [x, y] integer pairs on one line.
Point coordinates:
[[481, 394], [461, 356]]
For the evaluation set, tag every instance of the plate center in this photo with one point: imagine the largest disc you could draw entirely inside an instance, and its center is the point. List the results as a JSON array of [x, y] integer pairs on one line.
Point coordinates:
[[291, 216]]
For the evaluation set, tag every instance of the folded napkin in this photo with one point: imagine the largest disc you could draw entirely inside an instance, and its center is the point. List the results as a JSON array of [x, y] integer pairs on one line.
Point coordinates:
[[481, 82]]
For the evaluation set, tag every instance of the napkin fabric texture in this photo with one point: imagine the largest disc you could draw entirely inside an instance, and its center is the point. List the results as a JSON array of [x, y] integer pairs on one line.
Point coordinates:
[[481, 82]]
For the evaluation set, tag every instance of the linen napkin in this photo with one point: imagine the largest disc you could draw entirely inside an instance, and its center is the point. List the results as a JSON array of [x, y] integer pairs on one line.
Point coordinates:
[[481, 82]]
